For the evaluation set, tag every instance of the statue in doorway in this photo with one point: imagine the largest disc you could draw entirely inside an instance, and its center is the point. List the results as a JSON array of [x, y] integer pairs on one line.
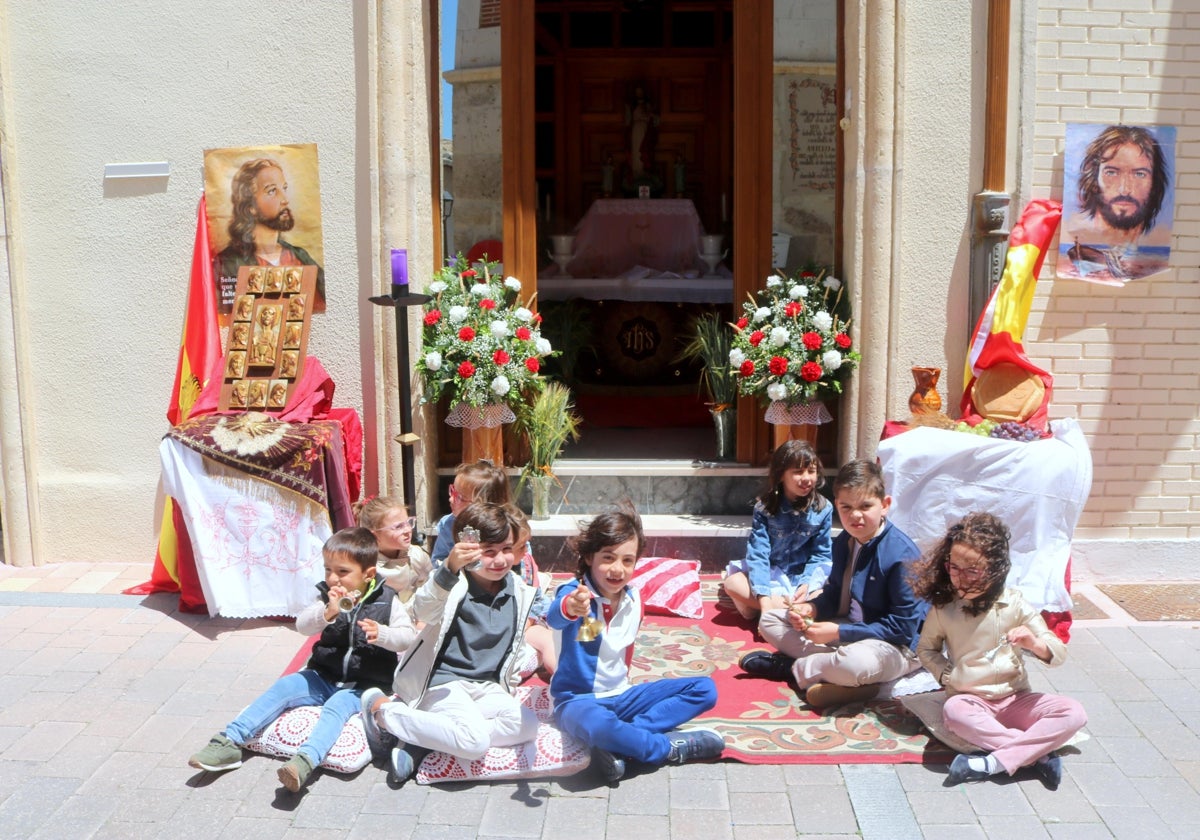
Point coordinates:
[[643, 132]]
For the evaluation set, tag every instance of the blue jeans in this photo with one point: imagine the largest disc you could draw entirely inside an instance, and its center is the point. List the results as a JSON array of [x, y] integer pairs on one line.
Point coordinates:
[[632, 723], [304, 688]]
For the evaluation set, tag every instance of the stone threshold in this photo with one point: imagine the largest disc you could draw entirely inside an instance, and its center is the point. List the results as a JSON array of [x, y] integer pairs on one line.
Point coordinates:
[[636, 467]]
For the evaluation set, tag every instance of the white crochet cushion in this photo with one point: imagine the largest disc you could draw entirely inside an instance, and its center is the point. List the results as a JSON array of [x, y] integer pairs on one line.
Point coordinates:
[[551, 753], [286, 733]]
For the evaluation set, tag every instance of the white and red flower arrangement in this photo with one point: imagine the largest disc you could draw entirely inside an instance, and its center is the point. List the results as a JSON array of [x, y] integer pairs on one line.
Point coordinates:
[[480, 342], [792, 344]]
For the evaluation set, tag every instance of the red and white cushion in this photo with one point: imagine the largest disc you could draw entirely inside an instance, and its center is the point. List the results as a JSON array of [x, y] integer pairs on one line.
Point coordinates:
[[283, 736], [669, 586]]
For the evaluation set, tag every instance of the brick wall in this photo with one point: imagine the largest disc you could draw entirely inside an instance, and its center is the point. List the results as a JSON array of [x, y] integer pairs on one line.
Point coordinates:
[[1126, 361], [489, 13]]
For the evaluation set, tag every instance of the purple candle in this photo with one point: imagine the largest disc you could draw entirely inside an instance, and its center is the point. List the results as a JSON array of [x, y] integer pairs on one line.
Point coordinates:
[[399, 272]]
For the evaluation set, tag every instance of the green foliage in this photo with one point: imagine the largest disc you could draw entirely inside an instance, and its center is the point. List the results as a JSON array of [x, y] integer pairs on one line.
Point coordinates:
[[710, 343], [548, 422]]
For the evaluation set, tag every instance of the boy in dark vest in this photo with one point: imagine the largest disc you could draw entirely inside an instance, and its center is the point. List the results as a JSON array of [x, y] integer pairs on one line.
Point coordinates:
[[356, 651]]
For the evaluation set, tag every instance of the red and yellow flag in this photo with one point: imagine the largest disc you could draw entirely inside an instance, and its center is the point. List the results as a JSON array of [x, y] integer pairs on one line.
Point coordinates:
[[996, 347], [201, 342], [199, 349]]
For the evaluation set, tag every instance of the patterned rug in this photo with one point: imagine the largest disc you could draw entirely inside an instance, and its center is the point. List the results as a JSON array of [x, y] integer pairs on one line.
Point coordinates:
[[765, 722]]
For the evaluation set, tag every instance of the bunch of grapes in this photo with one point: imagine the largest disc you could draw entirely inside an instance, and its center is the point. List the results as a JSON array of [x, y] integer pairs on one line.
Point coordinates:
[[983, 428], [1015, 431]]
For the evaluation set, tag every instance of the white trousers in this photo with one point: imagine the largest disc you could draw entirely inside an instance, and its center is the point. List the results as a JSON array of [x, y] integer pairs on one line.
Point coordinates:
[[461, 718]]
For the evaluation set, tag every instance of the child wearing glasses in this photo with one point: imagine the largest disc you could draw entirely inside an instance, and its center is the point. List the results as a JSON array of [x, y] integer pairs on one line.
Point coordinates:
[[481, 481], [402, 566], [973, 640]]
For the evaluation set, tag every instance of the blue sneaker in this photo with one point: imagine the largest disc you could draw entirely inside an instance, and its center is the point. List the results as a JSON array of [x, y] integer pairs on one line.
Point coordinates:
[[609, 766], [378, 740], [961, 771], [1049, 770], [694, 745]]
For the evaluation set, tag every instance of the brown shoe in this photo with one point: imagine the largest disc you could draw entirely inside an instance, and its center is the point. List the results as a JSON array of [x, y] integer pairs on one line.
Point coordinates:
[[828, 695]]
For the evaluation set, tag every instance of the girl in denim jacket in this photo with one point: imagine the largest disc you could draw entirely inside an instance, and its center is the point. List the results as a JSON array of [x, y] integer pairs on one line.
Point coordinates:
[[789, 554]]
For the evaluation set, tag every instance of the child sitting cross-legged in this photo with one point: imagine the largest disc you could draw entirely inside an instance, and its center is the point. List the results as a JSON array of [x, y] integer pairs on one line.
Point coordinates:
[[593, 698], [454, 687], [356, 650], [973, 641]]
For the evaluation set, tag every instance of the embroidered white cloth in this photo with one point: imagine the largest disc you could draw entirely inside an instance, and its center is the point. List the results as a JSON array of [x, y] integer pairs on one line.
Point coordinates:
[[257, 546]]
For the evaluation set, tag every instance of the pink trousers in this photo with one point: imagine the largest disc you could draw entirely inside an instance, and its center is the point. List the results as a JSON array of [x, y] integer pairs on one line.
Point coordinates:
[[1018, 729]]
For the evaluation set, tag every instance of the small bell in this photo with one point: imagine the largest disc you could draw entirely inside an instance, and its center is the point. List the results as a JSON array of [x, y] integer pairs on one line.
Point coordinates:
[[589, 629]]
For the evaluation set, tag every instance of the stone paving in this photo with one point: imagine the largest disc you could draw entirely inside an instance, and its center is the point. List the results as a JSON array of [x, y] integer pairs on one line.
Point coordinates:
[[105, 696]]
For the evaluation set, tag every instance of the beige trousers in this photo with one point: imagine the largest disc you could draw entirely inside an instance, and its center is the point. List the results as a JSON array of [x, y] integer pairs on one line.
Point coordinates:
[[864, 662]]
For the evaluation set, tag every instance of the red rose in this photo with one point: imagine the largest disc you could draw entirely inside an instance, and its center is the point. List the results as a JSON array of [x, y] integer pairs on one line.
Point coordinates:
[[500, 357], [466, 334], [778, 365], [524, 334], [842, 340], [537, 318], [811, 372], [533, 364], [747, 368], [466, 370], [811, 340], [742, 323], [793, 309], [756, 338], [487, 303], [432, 317], [805, 275], [470, 272]]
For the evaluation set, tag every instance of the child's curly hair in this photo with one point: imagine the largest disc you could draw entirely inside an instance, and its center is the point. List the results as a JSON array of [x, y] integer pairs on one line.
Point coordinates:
[[986, 534], [608, 529]]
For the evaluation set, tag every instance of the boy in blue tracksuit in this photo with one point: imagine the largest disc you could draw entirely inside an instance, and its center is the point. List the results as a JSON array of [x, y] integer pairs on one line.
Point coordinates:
[[593, 698]]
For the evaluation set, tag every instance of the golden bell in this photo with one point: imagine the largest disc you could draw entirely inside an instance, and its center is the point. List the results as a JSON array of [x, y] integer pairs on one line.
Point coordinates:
[[589, 629], [347, 601]]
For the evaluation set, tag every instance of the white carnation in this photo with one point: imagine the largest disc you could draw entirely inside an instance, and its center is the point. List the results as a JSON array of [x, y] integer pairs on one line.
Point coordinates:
[[736, 357], [833, 284], [776, 391], [822, 321], [499, 329], [433, 360], [762, 313], [543, 346], [523, 314], [500, 385], [832, 360], [457, 314], [512, 283], [480, 290], [774, 281], [798, 291], [779, 336], [437, 287]]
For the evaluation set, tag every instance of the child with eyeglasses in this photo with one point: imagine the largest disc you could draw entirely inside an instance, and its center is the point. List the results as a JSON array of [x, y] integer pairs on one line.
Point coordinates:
[[480, 481], [402, 566], [972, 642]]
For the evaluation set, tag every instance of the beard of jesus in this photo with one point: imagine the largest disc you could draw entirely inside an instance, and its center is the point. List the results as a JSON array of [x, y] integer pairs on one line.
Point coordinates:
[[1123, 222], [281, 222]]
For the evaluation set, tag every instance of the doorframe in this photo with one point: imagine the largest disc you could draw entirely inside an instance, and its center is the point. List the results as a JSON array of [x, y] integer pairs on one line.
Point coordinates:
[[753, 67]]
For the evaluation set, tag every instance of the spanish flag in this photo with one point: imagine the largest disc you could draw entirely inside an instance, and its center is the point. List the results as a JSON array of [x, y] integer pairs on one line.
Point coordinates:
[[1000, 381], [199, 349]]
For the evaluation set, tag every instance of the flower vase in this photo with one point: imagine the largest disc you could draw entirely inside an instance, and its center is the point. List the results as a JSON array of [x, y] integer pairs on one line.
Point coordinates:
[[925, 399], [796, 422], [725, 422], [539, 488]]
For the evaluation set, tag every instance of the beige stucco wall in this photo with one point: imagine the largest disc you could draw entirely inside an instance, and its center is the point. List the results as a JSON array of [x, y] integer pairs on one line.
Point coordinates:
[[95, 280]]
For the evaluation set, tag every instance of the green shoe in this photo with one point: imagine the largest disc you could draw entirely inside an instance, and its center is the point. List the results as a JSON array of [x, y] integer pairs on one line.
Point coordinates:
[[295, 772], [220, 754]]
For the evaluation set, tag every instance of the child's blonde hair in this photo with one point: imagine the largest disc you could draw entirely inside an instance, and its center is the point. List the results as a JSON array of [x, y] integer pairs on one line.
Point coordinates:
[[486, 482], [371, 512]]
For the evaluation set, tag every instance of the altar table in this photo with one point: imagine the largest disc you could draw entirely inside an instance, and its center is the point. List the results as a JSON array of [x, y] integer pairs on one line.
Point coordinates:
[[616, 234]]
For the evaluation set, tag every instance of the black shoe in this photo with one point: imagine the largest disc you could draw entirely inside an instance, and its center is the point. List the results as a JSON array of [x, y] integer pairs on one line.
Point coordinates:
[[770, 666], [1049, 770], [694, 745], [961, 771], [609, 766]]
